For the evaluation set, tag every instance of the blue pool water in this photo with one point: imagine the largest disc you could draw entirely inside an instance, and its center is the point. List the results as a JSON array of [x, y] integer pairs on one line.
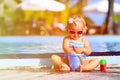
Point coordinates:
[[41, 45], [48, 44]]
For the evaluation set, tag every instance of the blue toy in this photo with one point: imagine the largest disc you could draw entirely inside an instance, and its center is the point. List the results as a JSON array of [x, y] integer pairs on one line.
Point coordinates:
[[74, 61]]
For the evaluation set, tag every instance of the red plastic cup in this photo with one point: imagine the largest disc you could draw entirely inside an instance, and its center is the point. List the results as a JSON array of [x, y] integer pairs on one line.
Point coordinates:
[[103, 68], [103, 65]]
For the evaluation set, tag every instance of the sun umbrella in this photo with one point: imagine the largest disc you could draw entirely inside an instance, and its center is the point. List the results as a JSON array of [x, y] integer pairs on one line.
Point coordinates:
[[101, 7], [41, 5]]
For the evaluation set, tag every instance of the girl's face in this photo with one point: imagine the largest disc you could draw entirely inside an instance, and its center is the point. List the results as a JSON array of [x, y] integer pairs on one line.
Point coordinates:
[[76, 31]]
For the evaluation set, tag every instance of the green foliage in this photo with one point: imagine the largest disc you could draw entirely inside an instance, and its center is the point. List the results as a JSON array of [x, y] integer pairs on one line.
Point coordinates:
[[117, 17], [18, 1], [1, 1]]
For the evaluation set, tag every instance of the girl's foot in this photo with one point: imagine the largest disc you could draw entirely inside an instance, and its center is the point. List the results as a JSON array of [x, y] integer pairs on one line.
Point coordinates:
[[79, 69], [64, 68]]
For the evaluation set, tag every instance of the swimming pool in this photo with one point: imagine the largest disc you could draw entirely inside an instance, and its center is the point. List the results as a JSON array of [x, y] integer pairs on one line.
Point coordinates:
[[53, 44], [47, 44]]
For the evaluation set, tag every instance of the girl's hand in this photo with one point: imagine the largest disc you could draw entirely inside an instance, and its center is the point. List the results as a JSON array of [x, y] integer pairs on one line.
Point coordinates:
[[80, 50]]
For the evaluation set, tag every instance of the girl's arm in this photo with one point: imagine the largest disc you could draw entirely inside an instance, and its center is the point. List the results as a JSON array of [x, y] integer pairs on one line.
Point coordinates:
[[66, 47], [86, 50]]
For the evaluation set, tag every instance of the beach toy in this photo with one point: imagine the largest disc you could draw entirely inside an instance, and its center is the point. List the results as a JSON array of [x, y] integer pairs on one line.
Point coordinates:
[[74, 61], [103, 65], [81, 58], [73, 47]]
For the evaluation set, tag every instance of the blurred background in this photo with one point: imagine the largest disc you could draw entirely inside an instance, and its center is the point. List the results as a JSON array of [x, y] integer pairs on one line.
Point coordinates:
[[29, 28], [49, 17]]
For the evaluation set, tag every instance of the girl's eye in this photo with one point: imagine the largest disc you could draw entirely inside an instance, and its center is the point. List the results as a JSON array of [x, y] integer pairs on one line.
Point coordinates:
[[72, 32], [79, 32], [75, 32]]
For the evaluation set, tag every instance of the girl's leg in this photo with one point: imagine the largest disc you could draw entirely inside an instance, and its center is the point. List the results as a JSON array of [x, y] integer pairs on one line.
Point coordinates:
[[90, 65], [60, 63]]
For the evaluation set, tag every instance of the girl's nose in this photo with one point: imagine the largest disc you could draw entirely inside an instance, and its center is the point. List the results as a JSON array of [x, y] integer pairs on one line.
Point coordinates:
[[75, 35]]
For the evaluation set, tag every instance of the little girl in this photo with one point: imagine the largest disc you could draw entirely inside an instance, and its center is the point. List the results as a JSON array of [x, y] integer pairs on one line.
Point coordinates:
[[74, 43]]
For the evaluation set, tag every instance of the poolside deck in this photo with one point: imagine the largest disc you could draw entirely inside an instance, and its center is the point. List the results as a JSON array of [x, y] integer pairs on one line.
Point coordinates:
[[48, 55], [46, 73]]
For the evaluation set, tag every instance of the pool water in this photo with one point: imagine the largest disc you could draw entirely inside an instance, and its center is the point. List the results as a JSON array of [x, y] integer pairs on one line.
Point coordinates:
[[48, 44], [28, 45], [41, 45]]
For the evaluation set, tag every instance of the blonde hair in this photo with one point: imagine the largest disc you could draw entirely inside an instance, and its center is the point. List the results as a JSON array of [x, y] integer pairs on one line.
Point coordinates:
[[73, 21]]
